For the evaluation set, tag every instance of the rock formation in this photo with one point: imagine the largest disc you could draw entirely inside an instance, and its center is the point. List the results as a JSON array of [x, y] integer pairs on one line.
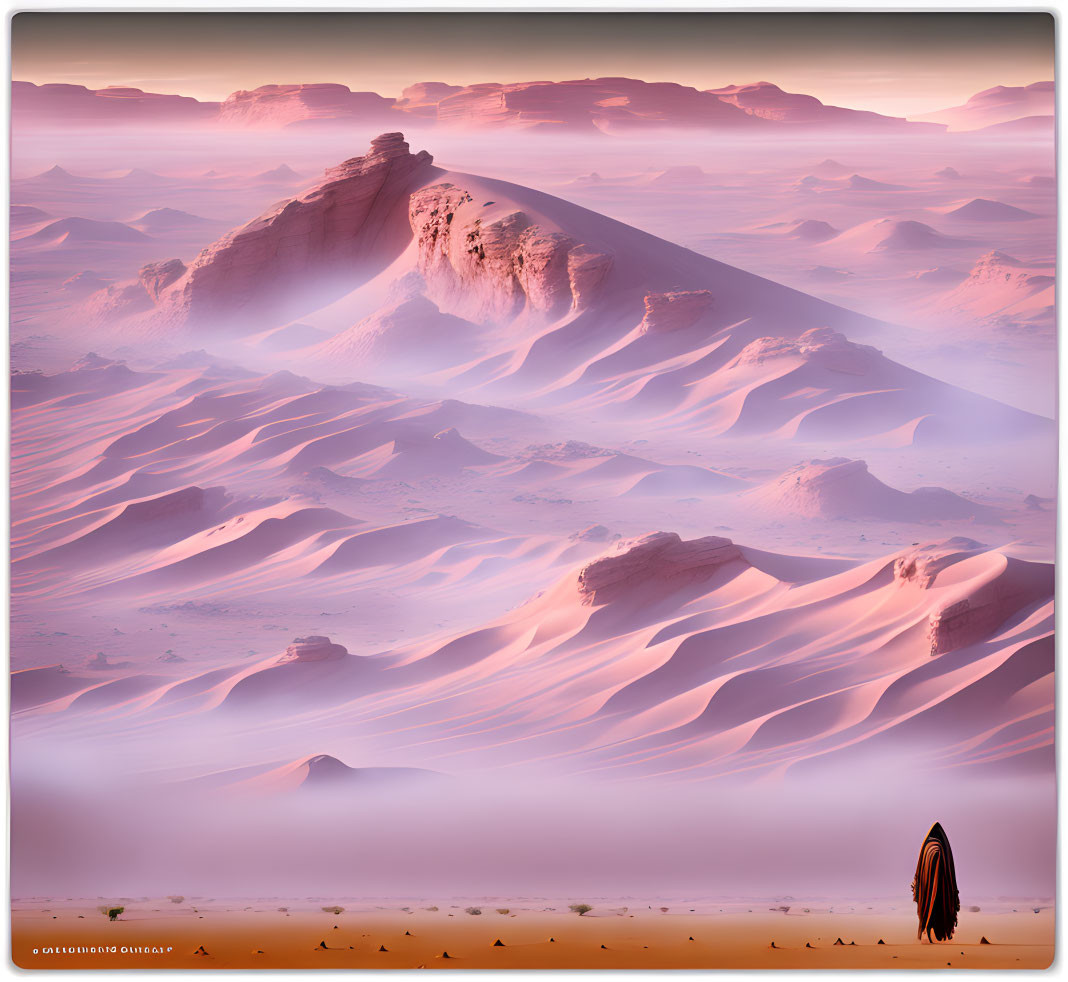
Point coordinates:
[[657, 556], [675, 311], [921, 564], [319, 243], [314, 648], [820, 345], [769, 102], [490, 268], [978, 615], [156, 277], [303, 105]]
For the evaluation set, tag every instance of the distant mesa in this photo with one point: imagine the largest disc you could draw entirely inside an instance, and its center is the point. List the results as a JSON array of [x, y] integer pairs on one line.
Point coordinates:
[[590, 105], [1000, 104], [985, 210], [1027, 126], [768, 101], [303, 105], [1042, 181], [314, 648], [654, 560], [949, 173], [54, 103], [422, 98]]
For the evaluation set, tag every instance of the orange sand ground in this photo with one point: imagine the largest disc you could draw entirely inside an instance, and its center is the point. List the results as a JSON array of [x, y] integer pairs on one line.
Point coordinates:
[[255, 934]]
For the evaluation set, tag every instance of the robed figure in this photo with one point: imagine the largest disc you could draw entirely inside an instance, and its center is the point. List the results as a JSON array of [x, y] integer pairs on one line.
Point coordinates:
[[935, 887]]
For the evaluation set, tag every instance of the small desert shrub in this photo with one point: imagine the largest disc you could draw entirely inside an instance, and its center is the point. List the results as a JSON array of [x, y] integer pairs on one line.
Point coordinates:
[[176, 900], [334, 910], [112, 912], [579, 909], [472, 910], [503, 910], [431, 908]]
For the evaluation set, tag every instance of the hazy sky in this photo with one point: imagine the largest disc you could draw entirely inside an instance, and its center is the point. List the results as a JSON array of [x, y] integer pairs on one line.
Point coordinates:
[[898, 64]]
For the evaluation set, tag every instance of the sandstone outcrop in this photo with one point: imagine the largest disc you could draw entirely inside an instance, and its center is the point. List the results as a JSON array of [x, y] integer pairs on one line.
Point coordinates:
[[156, 277], [302, 105], [658, 556], [923, 563], [819, 345], [314, 648], [675, 311], [489, 268], [317, 244]]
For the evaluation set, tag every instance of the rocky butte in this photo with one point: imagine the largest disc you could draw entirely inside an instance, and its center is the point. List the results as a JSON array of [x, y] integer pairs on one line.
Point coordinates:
[[319, 243]]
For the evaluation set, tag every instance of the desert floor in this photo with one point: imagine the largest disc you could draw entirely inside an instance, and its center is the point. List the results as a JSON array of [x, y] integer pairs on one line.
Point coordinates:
[[534, 934]]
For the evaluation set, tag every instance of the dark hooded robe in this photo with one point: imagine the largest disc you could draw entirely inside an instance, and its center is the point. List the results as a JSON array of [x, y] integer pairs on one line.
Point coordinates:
[[935, 887]]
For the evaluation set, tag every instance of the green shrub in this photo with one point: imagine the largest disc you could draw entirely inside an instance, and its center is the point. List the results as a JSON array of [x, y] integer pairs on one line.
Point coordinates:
[[334, 910], [580, 909]]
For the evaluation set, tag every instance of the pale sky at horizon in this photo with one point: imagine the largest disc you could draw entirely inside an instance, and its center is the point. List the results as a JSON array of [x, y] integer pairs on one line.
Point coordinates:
[[898, 64]]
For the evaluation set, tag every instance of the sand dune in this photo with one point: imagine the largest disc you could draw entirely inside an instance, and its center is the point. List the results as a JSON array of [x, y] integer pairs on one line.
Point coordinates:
[[843, 488], [985, 210], [1003, 289], [524, 294], [890, 235], [161, 220], [75, 231], [697, 658]]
